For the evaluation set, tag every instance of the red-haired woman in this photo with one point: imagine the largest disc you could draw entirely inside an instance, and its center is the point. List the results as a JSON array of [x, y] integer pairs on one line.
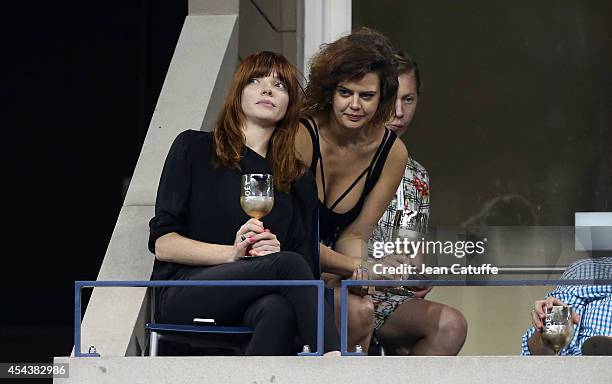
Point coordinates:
[[358, 163], [200, 231]]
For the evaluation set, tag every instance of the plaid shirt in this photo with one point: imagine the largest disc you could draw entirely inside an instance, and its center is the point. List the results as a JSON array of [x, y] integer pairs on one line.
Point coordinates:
[[592, 302], [414, 191]]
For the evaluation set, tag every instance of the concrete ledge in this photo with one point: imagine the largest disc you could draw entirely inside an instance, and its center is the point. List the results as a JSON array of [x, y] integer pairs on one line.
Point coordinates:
[[113, 313], [127, 256], [354, 370]]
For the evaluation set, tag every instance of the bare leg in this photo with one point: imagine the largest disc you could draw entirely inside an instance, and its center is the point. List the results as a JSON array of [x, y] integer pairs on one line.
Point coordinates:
[[424, 328], [360, 319]]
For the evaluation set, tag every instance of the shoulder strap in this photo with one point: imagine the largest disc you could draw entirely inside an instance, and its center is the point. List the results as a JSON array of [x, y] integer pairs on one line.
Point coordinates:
[[313, 130], [379, 161], [367, 171]]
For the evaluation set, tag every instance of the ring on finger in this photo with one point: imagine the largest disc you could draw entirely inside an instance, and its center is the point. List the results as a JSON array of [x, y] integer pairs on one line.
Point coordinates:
[[243, 237]]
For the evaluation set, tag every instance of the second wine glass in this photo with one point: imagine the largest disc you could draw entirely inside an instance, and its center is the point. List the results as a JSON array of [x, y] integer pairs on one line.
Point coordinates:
[[558, 328]]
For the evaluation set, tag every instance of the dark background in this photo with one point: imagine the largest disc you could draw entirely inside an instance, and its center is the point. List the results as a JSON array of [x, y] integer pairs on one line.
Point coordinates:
[[82, 82], [516, 100]]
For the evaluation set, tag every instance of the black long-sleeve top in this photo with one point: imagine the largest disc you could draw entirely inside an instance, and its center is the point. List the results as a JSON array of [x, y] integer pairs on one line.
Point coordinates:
[[202, 202]]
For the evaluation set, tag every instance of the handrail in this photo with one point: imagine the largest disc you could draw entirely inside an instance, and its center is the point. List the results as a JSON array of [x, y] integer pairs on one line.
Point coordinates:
[[509, 270], [79, 285]]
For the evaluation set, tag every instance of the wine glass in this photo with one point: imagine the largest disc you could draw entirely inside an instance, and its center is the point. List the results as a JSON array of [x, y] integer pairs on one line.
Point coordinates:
[[256, 194], [558, 328], [408, 226]]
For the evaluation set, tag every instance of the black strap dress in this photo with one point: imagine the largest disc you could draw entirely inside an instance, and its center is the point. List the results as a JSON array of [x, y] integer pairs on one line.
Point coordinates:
[[331, 223]]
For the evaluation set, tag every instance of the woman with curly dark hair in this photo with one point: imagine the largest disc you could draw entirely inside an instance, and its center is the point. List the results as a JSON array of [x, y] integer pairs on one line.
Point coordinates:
[[200, 231], [358, 163]]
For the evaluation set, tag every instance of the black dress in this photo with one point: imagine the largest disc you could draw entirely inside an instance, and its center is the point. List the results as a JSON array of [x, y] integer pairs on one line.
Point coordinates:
[[202, 202], [331, 223]]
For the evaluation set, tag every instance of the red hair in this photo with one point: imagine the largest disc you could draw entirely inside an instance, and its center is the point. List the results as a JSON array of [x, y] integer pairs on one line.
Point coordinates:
[[228, 138]]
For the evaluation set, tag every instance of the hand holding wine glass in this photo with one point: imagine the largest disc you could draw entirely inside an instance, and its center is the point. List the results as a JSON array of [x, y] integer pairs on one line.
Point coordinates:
[[538, 314], [554, 320], [253, 240], [558, 328], [257, 200], [395, 262], [244, 238]]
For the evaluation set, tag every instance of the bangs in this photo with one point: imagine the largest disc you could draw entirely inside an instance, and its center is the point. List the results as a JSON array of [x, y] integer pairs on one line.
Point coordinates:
[[268, 64]]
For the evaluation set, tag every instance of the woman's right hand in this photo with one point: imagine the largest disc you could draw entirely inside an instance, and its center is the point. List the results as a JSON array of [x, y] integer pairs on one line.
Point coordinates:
[[243, 240]]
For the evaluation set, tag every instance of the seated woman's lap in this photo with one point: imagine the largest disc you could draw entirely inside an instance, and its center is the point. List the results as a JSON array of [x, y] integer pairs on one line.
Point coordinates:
[[228, 304]]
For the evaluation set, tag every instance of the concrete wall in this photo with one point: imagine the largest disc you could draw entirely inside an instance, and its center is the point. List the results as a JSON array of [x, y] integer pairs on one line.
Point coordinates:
[[206, 51], [213, 7], [354, 370], [320, 21], [268, 25]]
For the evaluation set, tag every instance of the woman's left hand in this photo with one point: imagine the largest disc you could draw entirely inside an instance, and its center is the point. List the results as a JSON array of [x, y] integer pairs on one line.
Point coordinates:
[[264, 244], [361, 273], [420, 291]]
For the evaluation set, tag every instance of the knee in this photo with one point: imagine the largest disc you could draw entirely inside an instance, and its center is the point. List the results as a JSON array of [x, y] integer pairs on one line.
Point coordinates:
[[453, 325], [361, 313], [278, 308], [293, 265]]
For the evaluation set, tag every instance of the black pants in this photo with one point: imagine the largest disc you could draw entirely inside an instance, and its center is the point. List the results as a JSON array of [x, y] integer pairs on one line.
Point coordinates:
[[276, 314]]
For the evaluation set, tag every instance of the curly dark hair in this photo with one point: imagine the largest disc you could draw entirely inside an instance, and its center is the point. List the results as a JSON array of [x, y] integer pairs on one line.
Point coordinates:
[[350, 58]]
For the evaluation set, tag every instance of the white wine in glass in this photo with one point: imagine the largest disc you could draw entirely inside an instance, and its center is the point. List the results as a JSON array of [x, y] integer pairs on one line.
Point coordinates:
[[257, 194], [256, 206], [558, 328]]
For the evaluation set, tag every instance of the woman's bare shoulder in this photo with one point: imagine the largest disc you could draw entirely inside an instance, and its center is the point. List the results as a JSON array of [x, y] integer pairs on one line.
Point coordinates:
[[303, 144], [397, 158]]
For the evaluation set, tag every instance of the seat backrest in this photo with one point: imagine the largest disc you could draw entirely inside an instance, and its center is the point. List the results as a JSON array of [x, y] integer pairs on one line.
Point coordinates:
[[316, 243]]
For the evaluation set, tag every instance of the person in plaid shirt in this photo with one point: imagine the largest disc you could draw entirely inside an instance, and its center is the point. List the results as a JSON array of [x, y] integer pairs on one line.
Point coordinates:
[[592, 306], [408, 324]]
